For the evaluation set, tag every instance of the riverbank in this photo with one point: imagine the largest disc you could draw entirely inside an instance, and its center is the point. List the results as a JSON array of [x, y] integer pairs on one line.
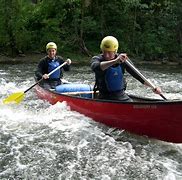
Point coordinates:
[[22, 58], [76, 59], [35, 58]]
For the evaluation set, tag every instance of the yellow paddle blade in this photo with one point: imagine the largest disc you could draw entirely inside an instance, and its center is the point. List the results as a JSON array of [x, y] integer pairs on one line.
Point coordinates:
[[14, 98]]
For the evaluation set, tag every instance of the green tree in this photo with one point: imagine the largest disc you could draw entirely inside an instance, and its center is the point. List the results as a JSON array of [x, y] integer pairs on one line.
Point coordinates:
[[14, 35], [149, 29]]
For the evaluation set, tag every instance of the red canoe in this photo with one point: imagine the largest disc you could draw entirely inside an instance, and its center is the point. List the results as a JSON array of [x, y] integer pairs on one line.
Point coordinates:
[[154, 118]]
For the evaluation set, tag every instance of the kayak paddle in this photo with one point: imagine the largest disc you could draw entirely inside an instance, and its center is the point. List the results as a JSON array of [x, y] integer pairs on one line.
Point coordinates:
[[18, 96], [142, 76]]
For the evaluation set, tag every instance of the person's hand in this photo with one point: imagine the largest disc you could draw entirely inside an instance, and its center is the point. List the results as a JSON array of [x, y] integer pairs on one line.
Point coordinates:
[[68, 61], [157, 90], [45, 76], [121, 58]]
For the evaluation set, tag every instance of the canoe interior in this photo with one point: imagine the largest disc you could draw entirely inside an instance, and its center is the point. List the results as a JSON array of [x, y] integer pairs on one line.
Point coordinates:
[[133, 97]]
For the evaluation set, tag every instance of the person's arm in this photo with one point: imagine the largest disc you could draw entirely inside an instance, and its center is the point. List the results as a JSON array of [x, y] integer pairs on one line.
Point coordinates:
[[66, 67], [133, 73], [156, 90], [95, 63], [39, 71], [106, 64]]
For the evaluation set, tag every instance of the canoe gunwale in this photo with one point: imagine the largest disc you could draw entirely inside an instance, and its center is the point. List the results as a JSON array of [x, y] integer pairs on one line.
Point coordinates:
[[146, 100]]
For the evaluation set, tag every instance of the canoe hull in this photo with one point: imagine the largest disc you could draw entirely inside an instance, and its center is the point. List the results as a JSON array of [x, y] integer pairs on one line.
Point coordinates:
[[155, 119]]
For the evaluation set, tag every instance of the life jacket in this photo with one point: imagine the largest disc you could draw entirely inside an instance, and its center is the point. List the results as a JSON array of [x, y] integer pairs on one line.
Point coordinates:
[[114, 79], [51, 66]]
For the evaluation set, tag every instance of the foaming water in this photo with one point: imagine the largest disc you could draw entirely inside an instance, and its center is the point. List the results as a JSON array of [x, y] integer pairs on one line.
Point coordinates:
[[43, 141]]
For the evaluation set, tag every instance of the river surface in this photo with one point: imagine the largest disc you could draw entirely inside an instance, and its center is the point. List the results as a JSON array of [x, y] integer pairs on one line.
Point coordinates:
[[43, 141]]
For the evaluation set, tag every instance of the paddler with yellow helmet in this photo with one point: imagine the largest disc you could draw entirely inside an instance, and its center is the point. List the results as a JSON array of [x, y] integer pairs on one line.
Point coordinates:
[[48, 64], [109, 68]]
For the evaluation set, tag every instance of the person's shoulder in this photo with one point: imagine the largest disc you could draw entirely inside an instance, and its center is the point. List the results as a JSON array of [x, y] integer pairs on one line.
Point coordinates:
[[97, 57], [59, 58], [43, 58]]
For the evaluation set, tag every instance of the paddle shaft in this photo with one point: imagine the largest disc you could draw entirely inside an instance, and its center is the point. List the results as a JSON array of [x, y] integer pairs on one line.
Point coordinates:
[[48, 75], [142, 76]]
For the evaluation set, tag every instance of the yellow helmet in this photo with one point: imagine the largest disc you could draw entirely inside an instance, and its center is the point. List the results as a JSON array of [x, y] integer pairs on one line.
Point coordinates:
[[51, 45], [109, 43]]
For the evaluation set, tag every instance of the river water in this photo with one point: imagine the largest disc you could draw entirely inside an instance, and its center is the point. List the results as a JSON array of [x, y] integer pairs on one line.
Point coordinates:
[[43, 141]]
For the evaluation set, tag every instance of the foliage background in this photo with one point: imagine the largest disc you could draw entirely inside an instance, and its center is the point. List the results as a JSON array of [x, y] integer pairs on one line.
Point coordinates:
[[149, 29]]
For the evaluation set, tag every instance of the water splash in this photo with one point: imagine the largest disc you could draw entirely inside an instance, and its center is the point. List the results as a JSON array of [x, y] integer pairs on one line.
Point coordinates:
[[43, 141]]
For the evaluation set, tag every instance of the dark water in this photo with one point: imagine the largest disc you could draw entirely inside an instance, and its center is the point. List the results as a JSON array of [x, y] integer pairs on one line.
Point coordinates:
[[43, 141]]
